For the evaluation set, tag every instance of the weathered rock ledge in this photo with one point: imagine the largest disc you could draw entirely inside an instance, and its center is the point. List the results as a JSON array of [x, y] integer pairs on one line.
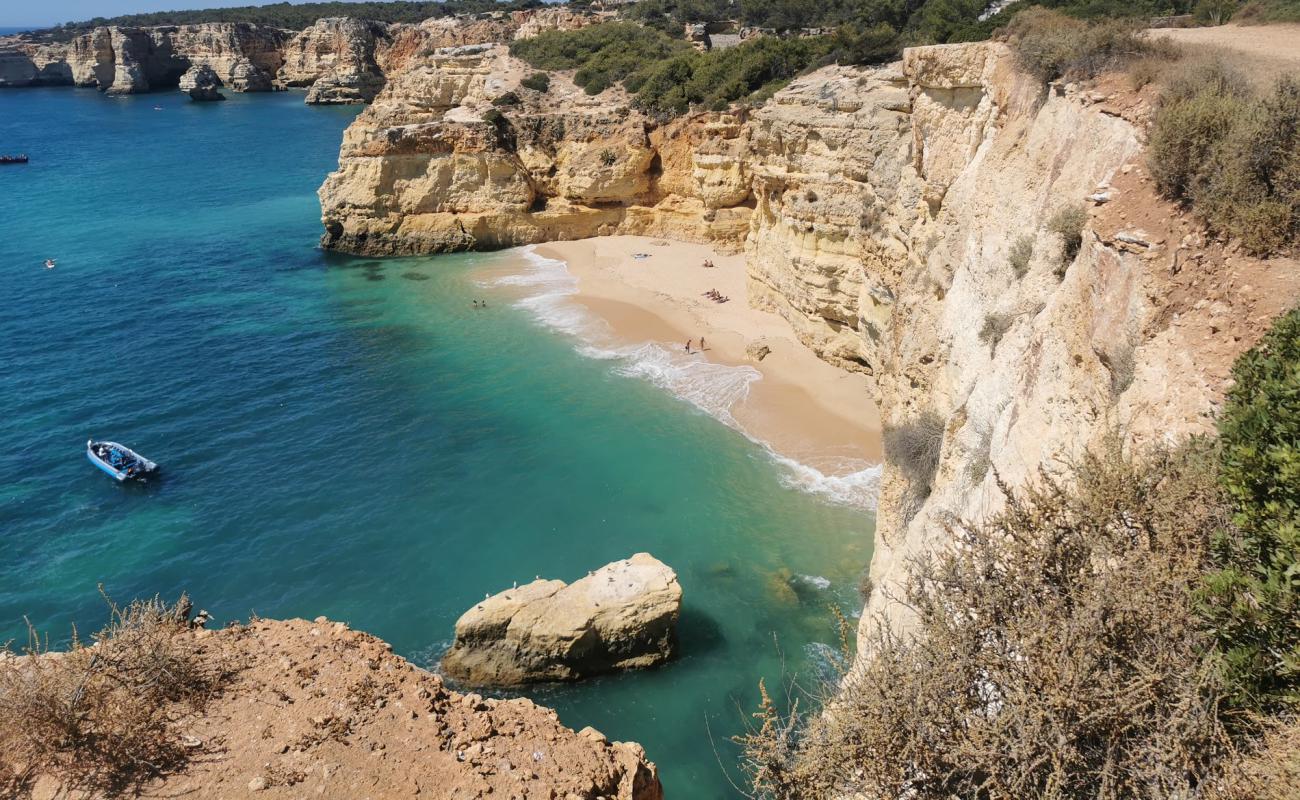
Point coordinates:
[[316, 709], [622, 616]]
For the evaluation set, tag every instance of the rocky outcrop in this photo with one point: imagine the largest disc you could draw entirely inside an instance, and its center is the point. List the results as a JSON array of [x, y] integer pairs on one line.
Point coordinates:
[[16, 68], [201, 83], [622, 616], [434, 165], [315, 709], [336, 57]]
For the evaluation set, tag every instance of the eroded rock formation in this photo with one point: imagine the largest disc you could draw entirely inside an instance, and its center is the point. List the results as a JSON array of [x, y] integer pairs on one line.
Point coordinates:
[[622, 616], [338, 59], [436, 165], [123, 60], [202, 83]]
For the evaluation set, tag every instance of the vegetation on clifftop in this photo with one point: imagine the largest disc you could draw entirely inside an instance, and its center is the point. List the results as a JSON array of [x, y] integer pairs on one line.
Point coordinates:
[[1232, 154], [297, 16]]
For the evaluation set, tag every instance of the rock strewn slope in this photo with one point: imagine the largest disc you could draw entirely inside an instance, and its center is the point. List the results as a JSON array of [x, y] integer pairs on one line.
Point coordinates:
[[318, 710]]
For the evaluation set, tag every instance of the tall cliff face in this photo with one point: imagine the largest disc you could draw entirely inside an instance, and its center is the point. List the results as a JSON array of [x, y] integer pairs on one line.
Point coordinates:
[[888, 206], [122, 60], [339, 59], [879, 210]]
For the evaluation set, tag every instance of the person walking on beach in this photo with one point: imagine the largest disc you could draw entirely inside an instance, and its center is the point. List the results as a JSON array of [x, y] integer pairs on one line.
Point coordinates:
[[702, 347], [688, 345]]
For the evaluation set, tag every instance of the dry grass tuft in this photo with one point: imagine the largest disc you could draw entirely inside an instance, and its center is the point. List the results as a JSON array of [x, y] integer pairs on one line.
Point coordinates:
[[914, 447], [1055, 654], [1269, 771], [99, 718]]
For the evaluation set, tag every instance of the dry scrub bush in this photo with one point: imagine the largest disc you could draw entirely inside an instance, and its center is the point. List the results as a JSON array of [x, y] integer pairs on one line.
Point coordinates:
[[1233, 155], [1055, 654], [914, 447], [1020, 254], [1050, 45], [1268, 771], [995, 327], [1068, 223], [99, 718]]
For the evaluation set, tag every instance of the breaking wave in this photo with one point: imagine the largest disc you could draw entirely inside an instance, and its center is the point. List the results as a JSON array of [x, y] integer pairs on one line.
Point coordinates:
[[713, 388]]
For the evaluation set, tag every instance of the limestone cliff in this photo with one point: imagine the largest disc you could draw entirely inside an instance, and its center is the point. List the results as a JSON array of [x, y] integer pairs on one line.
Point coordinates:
[[888, 205], [455, 154], [123, 60], [338, 59]]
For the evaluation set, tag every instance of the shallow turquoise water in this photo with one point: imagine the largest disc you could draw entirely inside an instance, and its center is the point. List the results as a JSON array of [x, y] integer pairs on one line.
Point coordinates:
[[348, 437]]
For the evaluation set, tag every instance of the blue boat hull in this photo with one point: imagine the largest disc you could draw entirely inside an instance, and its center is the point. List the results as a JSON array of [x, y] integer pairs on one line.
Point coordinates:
[[128, 464]]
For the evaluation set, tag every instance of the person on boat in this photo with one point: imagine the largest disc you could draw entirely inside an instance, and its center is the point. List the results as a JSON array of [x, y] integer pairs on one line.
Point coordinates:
[[49, 263]]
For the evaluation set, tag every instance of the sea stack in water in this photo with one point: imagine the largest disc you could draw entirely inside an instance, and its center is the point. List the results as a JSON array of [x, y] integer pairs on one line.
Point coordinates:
[[201, 83], [623, 616]]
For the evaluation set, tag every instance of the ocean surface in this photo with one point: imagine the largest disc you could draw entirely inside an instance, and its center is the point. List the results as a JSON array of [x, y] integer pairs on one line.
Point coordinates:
[[348, 437]]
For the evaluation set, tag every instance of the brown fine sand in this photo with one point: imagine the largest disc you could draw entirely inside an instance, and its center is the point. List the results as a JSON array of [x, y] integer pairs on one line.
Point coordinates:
[[804, 408]]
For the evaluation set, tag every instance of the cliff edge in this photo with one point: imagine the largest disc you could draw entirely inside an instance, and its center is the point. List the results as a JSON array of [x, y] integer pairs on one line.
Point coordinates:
[[315, 709]]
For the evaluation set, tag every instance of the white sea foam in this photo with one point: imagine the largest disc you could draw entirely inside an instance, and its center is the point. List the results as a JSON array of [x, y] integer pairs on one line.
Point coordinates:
[[816, 581], [713, 388], [858, 485]]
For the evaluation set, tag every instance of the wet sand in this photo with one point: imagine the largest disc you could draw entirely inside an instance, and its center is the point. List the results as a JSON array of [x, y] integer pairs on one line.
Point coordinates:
[[803, 408]]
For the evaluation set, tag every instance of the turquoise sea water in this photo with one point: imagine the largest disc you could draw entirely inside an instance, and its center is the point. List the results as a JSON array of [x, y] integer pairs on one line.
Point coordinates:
[[348, 437]]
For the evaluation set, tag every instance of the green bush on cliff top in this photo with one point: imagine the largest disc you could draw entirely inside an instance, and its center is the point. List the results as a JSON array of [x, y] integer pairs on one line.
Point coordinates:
[[1232, 154], [1254, 596]]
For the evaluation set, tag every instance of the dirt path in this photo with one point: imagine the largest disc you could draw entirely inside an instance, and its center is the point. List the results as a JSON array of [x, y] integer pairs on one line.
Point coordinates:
[[1265, 51]]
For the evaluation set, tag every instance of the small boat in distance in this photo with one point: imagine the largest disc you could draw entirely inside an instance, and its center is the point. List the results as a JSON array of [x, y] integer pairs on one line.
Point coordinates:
[[49, 263], [119, 460], [13, 159]]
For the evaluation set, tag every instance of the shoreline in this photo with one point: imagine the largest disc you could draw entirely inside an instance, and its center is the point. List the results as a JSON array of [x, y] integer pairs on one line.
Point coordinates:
[[817, 419]]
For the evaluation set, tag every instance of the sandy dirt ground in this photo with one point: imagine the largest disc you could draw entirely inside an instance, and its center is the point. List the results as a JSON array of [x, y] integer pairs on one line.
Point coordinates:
[[1265, 51], [804, 408], [316, 709]]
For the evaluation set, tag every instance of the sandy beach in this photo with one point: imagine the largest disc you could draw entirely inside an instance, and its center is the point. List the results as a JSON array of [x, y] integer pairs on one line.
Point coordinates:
[[804, 409]]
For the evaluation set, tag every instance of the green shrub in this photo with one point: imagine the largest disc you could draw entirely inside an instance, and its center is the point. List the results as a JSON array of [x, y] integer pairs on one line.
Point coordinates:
[[720, 77], [602, 55], [1232, 155], [538, 82], [507, 99], [1051, 45], [494, 117], [1254, 596], [1258, 12], [1054, 653], [1068, 223], [1195, 116], [1020, 255]]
